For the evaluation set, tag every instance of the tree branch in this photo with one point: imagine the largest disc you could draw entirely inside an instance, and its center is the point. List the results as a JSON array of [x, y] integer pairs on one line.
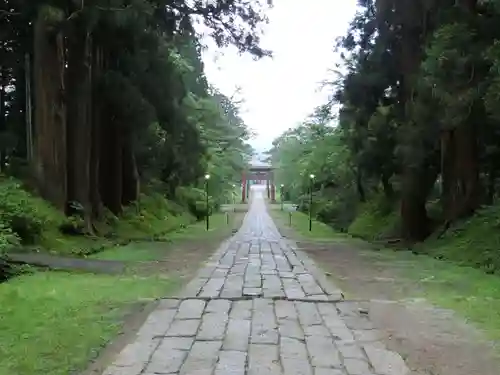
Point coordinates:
[[104, 9], [8, 13]]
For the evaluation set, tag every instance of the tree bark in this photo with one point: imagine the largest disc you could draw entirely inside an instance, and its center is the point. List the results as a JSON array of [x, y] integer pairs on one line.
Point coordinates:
[[50, 115], [460, 172], [130, 176], [491, 185], [417, 183], [3, 125], [111, 177], [28, 108], [98, 65], [79, 117], [359, 186], [387, 186]]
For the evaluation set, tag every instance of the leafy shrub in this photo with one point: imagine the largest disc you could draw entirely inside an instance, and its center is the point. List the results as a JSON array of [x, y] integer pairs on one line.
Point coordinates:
[[339, 213], [375, 219], [152, 216], [195, 200], [8, 239], [26, 215]]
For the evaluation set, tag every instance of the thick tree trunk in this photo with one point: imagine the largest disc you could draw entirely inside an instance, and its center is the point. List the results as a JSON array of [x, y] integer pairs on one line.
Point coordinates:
[[359, 186], [387, 186], [130, 173], [79, 117], [491, 185], [98, 66], [28, 108], [417, 182], [111, 176], [415, 223], [3, 125], [460, 172], [460, 161], [50, 114]]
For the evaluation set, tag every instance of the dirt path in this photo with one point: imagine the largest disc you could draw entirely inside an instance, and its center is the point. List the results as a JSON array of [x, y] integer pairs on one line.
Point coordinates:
[[433, 341], [67, 263]]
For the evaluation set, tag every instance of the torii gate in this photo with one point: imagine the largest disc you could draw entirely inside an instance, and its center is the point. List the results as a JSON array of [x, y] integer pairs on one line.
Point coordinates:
[[258, 173]]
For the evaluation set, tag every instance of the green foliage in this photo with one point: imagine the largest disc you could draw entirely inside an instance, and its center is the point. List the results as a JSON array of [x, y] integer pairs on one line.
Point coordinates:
[[150, 217], [376, 219], [472, 242], [196, 201], [25, 215], [8, 239], [26, 219], [339, 212]]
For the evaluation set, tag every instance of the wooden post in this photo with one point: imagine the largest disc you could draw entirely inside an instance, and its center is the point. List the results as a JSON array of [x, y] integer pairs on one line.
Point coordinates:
[[243, 188]]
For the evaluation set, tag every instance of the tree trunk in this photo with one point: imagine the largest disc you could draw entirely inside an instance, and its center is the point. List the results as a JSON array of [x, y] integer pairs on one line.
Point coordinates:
[[28, 107], [359, 186], [417, 184], [130, 173], [460, 160], [414, 221], [50, 114], [79, 120], [98, 66], [111, 177], [491, 185], [460, 169], [387, 186], [3, 125]]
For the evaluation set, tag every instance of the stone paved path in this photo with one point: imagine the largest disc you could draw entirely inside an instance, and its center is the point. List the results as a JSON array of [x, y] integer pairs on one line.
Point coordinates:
[[258, 307]]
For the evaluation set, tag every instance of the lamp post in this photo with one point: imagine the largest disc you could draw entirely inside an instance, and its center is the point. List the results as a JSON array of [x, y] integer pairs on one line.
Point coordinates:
[[311, 179], [207, 177], [281, 195]]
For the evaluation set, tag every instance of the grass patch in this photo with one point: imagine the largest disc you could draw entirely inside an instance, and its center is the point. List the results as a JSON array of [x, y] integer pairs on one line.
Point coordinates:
[[54, 322], [54, 242], [218, 225], [473, 242], [150, 251], [300, 224], [133, 252]]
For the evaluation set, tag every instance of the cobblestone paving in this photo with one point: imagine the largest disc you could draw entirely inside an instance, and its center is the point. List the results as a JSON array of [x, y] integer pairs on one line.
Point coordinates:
[[258, 307]]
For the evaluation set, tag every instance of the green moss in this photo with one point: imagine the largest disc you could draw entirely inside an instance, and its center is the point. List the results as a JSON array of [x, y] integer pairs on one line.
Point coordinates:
[[376, 218], [474, 242], [152, 216]]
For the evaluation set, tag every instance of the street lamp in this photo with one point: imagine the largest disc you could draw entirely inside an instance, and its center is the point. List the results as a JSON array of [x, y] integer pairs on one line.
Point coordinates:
[[311, 178], [281, 195], [207, 177], [233, 194]]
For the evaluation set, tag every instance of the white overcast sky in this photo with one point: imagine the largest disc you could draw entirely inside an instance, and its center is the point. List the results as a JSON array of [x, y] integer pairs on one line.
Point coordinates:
[[279, 93]]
